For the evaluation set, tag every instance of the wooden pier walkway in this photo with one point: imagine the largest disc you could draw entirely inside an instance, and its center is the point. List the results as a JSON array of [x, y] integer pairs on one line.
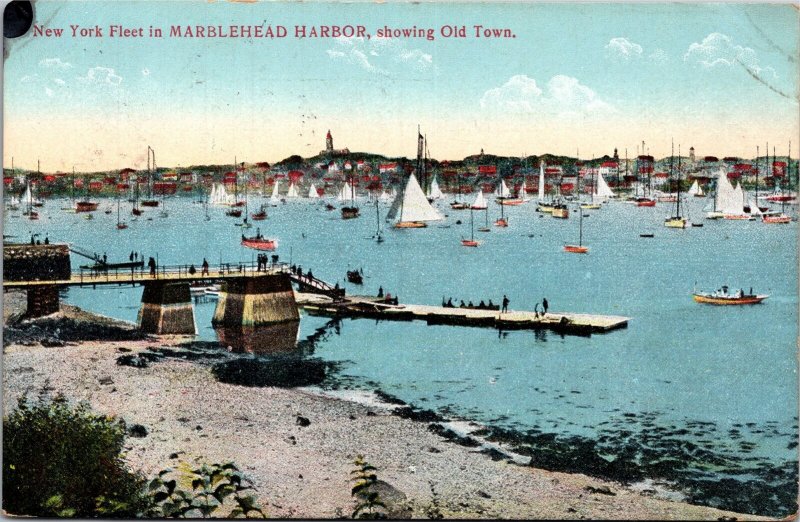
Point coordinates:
[[371, 307]]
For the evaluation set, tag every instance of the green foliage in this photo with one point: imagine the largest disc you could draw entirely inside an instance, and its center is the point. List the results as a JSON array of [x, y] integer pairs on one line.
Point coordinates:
[[365, 478], [64, 461], [211, 486]]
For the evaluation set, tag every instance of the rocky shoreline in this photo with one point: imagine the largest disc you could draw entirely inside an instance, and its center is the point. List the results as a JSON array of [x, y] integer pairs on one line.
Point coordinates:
[[299, 445]]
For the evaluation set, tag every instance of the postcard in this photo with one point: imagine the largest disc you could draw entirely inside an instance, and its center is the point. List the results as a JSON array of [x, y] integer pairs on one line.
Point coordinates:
[[325, 260]]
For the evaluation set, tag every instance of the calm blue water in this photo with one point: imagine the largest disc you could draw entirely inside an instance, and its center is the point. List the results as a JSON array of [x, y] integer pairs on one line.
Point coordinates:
[[677, 364]]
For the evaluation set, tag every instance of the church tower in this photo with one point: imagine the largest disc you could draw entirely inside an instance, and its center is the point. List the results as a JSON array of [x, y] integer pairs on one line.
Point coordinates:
[[329, 142]]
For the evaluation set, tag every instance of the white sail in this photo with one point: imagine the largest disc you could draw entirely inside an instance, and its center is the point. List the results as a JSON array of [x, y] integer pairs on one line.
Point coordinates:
[[312, 192], [523, 192], [700, 192], [435, 192], [219, 196], [502, 190], [480, 202], [603, 190], [729, 200], [754, 210], [27, 197], [412, 205], [695, 188], [275, 195], [384, 196], [342, 195], [292, 191], [541, 183]]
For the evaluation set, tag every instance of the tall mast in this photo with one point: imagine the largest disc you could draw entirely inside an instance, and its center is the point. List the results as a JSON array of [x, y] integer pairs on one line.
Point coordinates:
[[678, 199]]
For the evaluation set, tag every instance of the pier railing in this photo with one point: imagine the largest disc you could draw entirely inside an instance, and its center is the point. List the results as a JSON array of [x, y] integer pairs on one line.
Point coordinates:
[[138, 274]]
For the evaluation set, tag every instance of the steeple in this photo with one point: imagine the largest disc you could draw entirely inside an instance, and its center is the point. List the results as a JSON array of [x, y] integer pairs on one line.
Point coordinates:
[[329, 142]]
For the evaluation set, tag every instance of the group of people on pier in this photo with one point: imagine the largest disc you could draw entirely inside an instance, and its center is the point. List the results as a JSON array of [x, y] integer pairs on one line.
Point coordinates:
[[480, 306]]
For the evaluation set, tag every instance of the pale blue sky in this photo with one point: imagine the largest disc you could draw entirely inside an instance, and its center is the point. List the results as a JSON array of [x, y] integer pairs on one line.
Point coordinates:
[[591, 77]]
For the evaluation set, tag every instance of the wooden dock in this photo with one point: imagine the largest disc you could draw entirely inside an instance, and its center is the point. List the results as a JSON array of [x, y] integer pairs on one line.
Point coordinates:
[[374, 308]]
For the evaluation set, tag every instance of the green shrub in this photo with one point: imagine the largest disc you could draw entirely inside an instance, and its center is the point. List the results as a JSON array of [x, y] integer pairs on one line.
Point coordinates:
[[211, 485], [369, 504], [66, 461]]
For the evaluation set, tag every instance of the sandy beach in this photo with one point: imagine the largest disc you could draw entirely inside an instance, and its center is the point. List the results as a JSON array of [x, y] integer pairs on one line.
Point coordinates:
[[301, 469]]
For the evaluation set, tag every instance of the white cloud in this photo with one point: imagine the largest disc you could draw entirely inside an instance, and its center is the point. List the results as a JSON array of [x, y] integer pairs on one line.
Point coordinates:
[[719, 49], [59, 81], [28, 78], [518, 94], [49, 92], [562, 96], [101, 75], [623, 49], [417, 57], [54, 63], [659, 56], [379, 54]]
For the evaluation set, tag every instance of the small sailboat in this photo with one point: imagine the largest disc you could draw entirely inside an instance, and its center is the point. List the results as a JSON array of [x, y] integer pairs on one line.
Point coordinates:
[[502, 222], [261, 215], [676, 220], [150, 202], [350, 211], [275, 197], [485, 228], [480, 202], [292, 193], [543, 206], [312, 192], [696, 190], [458, 205], [378, 237], [471, 241], [121, 225], [434, 192], [579, 248]]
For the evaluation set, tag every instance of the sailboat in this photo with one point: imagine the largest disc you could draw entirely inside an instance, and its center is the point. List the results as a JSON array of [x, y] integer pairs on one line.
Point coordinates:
[[312, 192], [594, 204], [471, 241], [434, 192], [150, 202], [777, 217], [292, 193], [121, 225], [275, 197], [28, 199], [410, 208], [502, 222], [480, 202], [378, 237], [579, 248], [350, 211], [485, 228], [696, 190], [502, 192], [458, 205], [543, 206], [677, 220]]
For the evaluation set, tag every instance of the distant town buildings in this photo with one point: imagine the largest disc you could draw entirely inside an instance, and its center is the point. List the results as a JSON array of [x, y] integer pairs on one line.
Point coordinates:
[[329, 150]]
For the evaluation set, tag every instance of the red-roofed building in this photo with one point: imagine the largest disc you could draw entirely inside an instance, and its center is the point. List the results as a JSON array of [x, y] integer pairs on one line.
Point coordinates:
[[487, 169], [388, 167]]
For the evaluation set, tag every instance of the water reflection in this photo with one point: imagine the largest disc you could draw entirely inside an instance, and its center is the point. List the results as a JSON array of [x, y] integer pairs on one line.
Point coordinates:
[[281, 338], [261, 340]]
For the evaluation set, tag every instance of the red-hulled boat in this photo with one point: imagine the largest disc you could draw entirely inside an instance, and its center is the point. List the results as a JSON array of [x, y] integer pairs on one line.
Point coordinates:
[[645, 202], [259, 242], [149, 203], [234, 213], [780, 218], [259, 216]]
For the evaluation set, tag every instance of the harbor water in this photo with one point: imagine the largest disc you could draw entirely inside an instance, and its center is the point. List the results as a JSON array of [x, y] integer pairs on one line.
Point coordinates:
[[698, 399]]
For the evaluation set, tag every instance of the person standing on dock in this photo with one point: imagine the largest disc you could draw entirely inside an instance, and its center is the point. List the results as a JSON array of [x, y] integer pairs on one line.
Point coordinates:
[[544, 304], [205, 267], [151, 264], [505, 304]]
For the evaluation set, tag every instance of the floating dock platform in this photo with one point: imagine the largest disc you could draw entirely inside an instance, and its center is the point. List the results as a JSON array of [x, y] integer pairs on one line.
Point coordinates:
[[375, 308]]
